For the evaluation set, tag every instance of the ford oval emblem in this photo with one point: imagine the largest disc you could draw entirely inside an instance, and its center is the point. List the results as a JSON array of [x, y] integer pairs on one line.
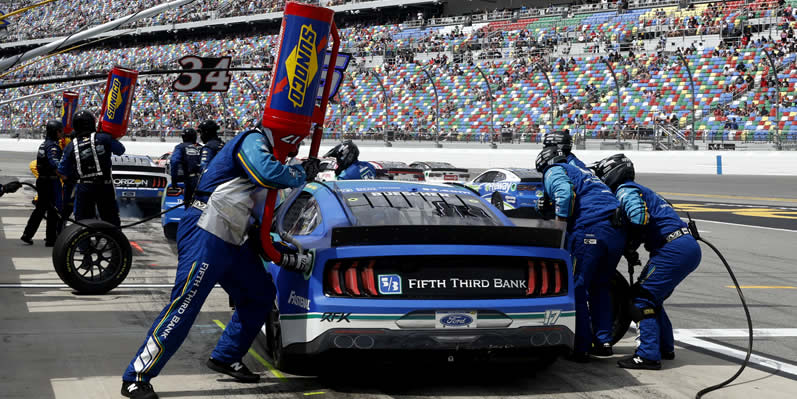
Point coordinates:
[[456, 320]]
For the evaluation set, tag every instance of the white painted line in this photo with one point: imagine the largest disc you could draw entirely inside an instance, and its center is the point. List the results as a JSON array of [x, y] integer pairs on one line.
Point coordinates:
[[742, 225], [737, 354], [6, 285], [735, 332]]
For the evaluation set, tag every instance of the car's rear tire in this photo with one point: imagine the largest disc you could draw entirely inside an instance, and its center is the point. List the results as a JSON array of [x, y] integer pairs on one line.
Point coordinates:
[[497, 201], [100, 248], [170, 231], [621, 299], [282, 359]]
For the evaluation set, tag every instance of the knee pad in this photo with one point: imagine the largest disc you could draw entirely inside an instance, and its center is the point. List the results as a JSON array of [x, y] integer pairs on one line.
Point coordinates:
[[638, 314]]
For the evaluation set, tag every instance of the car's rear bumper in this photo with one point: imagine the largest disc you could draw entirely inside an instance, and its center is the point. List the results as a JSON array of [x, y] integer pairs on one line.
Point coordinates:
[[544, 338]]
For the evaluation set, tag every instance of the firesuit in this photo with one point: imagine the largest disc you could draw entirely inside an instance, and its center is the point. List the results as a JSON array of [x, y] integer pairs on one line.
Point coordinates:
[[87, 159], [48, 187], [213, 247], [674, 253], [594, 242], [208, 132], [184, 162], [359, 170]]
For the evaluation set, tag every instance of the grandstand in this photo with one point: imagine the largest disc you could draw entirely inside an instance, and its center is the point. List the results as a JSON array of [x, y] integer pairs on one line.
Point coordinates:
[[588, 53]]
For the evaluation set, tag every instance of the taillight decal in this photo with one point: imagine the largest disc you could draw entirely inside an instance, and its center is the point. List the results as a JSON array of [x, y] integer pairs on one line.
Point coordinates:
[[368, 279], [544, 286], [532, 279], [352, 285], [334, 279], [557, 278]]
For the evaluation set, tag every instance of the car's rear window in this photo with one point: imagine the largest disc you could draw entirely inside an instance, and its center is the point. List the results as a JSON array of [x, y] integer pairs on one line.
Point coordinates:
[[419, 208]]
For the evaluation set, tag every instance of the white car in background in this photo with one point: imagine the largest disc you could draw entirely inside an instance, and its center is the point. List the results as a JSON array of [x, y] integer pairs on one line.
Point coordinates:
[[442, 172]]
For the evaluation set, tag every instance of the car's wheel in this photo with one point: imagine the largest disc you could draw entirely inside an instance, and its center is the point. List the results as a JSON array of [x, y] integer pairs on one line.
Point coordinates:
[[170, 231], [93, 259], [282, 359], [497, 201], [621, 299]]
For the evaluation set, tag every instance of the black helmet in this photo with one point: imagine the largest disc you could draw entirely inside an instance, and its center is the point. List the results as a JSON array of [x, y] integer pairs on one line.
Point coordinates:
[[208, 130], [84, 122], [615, 170], [345, 154], [189, 135], [54, 128], [560, 139], [549, 156]]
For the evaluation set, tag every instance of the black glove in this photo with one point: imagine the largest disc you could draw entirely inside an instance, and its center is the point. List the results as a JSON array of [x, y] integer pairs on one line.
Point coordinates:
[[632, 257], [12, 187], [545, 207], [311, 167], [297, 262]]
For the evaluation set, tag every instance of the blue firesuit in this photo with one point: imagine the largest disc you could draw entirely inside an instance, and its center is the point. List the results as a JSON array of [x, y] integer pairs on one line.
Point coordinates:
[[209, 151], [573, 160], [185, 168], [87, 160], [674, 253], [213, 247], [48, 187], [358, 171], [594, 243]]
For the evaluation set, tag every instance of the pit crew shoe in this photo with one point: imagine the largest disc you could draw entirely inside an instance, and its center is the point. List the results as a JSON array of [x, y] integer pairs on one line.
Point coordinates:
[[601, 350], [638, 363], [26, 240], [668, 355], [138, 390], [236, 370]]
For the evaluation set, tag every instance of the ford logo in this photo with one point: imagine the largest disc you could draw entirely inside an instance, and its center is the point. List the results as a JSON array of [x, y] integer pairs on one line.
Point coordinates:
[[456, 320]]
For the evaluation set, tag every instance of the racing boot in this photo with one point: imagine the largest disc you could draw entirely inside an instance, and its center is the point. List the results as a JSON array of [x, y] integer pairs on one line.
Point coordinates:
[[601, 350], [578, 357], [138, 390], [639, 363], [26, 240], [236, 370], [668, 355]]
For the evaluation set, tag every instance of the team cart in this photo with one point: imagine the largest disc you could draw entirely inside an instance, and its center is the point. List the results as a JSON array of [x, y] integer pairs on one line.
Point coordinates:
[[403, 266]]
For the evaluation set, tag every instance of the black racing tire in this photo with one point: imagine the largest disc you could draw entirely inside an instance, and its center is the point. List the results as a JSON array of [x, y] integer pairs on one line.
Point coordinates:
[[92, 260], [283, 360], [170, 231], [621, 299], [497, 201]]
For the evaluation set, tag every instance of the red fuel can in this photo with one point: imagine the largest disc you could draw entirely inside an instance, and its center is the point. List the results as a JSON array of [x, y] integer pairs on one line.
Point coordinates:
[[68, 106], [118, 100]]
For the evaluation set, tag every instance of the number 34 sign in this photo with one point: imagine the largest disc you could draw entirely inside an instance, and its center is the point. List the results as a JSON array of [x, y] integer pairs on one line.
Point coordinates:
[[203, 80]]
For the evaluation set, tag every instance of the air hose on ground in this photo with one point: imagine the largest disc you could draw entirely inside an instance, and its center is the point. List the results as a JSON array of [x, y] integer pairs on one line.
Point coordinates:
[[124, 226]]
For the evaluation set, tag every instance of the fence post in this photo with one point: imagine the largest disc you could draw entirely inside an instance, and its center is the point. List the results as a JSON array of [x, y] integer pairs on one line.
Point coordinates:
[[385, 105], [619, 100], [437, 108], [774, 72], [694, 99], [492, 109]]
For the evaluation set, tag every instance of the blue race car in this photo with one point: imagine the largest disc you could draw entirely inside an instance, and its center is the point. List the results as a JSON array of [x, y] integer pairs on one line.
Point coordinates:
[[403, 266], [169, 220], [139, 183], [513, 191]]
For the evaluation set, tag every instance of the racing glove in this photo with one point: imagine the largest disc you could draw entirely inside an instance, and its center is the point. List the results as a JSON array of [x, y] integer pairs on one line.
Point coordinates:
[[297, 262], [545, 207], [311, 167]]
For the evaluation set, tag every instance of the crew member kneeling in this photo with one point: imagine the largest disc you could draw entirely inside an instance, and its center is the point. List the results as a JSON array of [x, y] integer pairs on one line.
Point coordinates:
[[674, 253], [595, 242], [214, 247]]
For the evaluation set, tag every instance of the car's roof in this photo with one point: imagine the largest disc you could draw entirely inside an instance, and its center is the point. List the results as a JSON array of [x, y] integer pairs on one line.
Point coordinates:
[[389, 164], [348, 186], [435, 165], [524, 172]]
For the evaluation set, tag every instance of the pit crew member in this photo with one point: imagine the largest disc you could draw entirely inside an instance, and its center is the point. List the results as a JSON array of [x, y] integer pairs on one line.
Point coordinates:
[[595, 241], [48, 187], [209, 133], [674, 253], [214, 247], [87, 160], [349, 167], [184, 164]]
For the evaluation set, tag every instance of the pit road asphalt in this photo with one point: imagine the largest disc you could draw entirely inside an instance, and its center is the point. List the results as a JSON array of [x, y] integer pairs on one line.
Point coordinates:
[[59, 345]]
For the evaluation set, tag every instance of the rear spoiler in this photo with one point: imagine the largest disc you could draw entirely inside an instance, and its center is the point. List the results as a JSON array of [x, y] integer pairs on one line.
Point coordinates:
[[133, 169], [550, 236], [531, 180]]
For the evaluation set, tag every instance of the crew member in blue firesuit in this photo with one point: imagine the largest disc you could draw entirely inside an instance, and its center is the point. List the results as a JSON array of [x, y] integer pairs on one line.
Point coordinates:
[[209, 133], [48, 187], [184, 164], [87, 160], [562, 140], [674, 253], [595, 241], [214, 247], [346, 156]]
